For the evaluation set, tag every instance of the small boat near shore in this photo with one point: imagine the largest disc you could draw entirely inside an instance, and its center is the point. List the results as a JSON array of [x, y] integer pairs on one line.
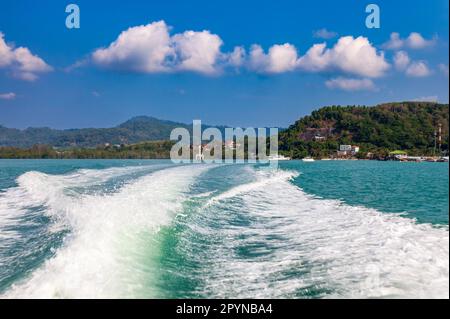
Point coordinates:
[[308, 159], [279, 158]]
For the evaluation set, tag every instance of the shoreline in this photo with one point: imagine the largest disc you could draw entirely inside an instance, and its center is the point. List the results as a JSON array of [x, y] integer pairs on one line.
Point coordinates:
[[168, 159]]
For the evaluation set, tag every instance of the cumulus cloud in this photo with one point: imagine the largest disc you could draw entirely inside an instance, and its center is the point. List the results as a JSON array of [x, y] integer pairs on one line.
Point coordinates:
[[418, 69], [414, 41], [237, 57], [151, 49], [145, 48], [6, 52], [197, 51], [280, 58], [349, 84], [350, 55], [324, 34], [403, 63], [395, 42], [315, 60], [7, 96], [20, 62], [401, 60]]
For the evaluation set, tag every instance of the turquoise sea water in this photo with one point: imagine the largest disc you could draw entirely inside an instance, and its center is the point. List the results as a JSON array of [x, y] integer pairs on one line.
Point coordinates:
[[151, 229]]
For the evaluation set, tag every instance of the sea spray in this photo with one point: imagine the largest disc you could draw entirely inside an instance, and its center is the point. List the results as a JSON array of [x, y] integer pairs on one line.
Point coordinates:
[[94, 261], [269, 239]]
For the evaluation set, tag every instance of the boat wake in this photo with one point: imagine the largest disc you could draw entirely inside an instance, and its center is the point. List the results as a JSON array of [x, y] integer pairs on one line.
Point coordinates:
[[194, 231], [269, 239], [99, 257]]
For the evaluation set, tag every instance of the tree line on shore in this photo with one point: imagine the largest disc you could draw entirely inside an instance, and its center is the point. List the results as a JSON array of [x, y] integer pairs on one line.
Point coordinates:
[[409, 126], [145, 150], [420, 128]]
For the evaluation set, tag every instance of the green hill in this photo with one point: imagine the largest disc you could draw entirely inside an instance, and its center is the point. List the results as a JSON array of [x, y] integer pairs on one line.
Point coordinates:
[[379, 129], [135, 130]]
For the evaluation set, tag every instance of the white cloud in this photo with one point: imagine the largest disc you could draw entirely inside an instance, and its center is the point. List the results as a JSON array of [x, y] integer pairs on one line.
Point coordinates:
[[395, 42], [433, 98], [418, 69], [144, 48], [315, 59], [280, 58], [348, 84], [76, 65], [349, 55], [8, 96], [151, 49], [20, 62], [401, 60], [258, 59], [6, 53], [237, 57], [197, 51], [414, 41], [324, 34], [443, 68]]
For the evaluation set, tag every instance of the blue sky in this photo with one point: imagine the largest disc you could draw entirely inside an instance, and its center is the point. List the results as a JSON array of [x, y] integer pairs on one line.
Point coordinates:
[[73, 78]]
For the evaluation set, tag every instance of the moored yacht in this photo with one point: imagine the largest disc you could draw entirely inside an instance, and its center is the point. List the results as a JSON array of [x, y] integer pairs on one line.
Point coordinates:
[[278, 158]]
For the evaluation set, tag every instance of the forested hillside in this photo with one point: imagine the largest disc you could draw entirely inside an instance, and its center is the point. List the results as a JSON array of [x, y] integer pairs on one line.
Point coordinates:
[[406, 126]]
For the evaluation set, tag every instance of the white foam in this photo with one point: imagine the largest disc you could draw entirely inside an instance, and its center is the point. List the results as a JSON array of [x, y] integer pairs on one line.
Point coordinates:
[[299, 243], [340, 250], [37, 188], [99, 259], [262, 180]]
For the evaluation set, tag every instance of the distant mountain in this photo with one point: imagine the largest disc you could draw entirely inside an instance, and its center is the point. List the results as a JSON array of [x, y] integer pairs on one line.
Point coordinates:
[[135, 130], [406, 126]]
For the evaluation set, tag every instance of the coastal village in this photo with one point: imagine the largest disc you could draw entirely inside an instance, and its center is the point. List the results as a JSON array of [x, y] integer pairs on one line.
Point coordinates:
[[160, 149], [345, 152], [352, 152]]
